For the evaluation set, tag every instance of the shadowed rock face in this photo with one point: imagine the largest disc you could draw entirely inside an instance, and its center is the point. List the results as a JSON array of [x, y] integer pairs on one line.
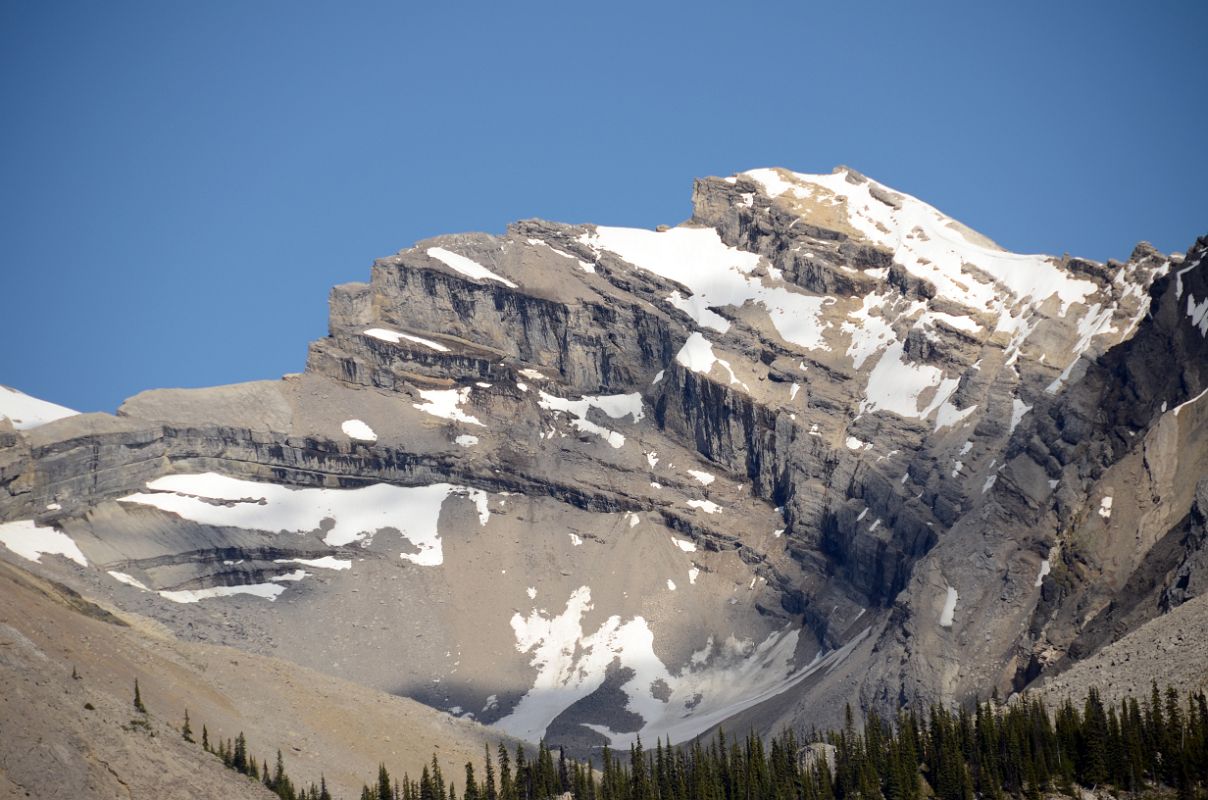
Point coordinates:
[[819, 440]]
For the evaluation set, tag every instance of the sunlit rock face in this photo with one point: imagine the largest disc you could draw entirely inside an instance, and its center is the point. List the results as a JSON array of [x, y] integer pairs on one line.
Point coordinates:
[[819, 443]]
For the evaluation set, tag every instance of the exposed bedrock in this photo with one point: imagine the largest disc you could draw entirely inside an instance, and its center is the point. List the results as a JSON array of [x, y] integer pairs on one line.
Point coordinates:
[[819, 441]]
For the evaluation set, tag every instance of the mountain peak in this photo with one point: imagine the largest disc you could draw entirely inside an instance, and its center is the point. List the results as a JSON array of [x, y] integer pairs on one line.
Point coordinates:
[[637, 482]]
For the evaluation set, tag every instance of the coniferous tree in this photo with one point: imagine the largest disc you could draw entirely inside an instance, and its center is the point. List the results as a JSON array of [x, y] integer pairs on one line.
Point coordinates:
[[471, 785], [186, 732], [507, 789], [383, 784], [489, 791], [1015, 751], [522, 776], [239, 754], [138, 699], [564, 781], [1094, 741]]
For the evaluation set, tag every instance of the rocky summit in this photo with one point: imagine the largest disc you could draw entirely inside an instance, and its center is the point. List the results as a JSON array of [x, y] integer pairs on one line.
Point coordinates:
[[819, 444]]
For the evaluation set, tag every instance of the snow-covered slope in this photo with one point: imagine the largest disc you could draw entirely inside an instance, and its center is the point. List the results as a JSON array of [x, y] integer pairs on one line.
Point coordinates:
[[25, 412]]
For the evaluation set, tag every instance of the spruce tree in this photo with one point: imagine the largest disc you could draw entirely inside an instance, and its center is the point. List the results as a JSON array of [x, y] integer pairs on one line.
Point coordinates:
[[239, 756], [383, 784], [489, 791], [507, 790], [186, 732], [138, 699]]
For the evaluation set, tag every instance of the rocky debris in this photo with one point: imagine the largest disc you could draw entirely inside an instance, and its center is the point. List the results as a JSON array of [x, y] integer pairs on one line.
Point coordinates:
[[70, 737], [1166, 650], [940, 465]]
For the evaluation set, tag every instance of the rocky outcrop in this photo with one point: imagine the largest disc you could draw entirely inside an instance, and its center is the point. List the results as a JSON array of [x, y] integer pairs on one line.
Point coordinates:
[[818, 440]]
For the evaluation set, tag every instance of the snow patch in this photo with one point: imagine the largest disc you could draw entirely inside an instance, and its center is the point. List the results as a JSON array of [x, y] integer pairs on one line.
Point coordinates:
[[466, 266], [1046, 567], [615, 406], [935, 247], [356, 429], [949, 609], [26, 412], [122, 577], [394, 337], [466, 440], [949, 414], [31, 542], [697, 355], [213, 499], [1098, 320], [1198, 314], [1105, 507], [704, 477], [446, 404], [707, 506], [670, 585], [323, 562], [1177, 408], [899, 386], [717, 275], [1178, 277], [684, 544], [269, 591], [717, 683], [1018, 409]]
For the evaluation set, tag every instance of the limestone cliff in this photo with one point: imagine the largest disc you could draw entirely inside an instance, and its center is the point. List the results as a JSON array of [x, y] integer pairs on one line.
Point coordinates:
[[819, 441]]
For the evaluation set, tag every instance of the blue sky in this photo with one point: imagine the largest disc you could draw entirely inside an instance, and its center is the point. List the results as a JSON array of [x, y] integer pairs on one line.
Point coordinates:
[[181, 183]]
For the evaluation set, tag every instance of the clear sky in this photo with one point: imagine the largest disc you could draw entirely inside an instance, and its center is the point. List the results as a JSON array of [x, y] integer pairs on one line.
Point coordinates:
[[181, 182]]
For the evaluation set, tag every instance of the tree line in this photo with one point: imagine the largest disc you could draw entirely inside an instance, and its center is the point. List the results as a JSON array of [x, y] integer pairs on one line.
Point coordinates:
[[989, 750]]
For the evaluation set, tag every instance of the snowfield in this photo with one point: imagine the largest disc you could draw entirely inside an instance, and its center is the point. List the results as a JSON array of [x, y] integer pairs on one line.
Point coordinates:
[[29, 541], [355, 513], [716, 275], [26, 412], [719, 680], [466, 266]]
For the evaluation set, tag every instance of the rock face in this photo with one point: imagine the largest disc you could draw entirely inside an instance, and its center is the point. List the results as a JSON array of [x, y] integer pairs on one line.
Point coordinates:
[[818, 443]]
